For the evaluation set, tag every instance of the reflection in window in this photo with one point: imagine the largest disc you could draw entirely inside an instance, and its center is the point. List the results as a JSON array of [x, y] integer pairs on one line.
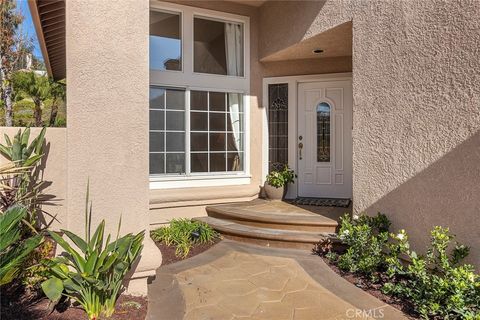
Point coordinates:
[[165, 41], [216, 132], [323, 132], [277, 126], [218, 47]]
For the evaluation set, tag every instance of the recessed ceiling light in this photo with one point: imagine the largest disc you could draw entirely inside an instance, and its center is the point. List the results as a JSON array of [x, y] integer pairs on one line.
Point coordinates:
[[317, 51]]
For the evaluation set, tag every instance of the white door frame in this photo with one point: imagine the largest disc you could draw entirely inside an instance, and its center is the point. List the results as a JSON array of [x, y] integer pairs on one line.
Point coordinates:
[[292, 82]]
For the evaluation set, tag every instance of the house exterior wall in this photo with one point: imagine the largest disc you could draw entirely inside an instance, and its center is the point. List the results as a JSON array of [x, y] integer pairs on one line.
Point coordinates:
[[53, 171], [417, 116], [416, 132], [107, 134]]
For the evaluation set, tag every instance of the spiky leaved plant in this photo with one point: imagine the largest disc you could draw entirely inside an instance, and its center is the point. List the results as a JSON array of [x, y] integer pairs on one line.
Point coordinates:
[[93, 274]]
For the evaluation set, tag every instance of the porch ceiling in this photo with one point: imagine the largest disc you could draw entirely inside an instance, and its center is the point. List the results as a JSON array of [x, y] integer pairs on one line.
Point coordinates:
[[48, 17], [335, 42]]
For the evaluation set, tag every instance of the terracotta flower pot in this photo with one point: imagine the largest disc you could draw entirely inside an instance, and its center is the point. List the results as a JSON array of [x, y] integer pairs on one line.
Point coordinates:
[[274, 193]]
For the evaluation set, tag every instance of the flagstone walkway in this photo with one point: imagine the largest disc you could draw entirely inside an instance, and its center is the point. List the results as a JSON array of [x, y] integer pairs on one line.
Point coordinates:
[[238, 281]]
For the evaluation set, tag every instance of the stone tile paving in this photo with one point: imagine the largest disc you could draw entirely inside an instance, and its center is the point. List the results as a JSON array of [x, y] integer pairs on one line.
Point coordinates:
[[237, 281]]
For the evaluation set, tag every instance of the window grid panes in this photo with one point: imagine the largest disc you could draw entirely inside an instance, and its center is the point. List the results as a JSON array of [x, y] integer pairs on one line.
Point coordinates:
[[167, 131], [215, 129], [216, 132]]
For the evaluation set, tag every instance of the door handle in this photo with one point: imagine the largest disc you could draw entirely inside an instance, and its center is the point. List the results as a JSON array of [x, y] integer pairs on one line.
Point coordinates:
[[300, 147]]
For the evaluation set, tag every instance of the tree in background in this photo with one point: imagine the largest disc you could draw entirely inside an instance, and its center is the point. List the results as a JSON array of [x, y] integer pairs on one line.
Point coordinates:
[[13, 46], [58, 94], [36, 87]]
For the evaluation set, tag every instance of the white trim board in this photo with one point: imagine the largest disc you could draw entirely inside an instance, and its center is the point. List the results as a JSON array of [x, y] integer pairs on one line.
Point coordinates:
[[292, 82]]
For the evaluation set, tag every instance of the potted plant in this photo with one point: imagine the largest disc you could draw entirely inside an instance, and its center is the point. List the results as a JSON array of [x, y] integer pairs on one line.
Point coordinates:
[[277, 182]]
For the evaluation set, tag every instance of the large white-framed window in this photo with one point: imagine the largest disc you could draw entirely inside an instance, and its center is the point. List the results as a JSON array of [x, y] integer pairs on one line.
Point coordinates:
[[199, 100]]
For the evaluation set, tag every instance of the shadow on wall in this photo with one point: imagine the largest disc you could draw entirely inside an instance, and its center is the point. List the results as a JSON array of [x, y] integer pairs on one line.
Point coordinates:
[[274, 32], [447, 193], [46, 199]]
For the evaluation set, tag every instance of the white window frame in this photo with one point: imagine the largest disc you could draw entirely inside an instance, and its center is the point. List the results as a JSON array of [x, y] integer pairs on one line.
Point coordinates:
[[189, 80]]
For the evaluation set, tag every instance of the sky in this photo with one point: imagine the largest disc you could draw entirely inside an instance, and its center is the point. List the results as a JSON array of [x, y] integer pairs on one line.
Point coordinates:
[[28, 28]]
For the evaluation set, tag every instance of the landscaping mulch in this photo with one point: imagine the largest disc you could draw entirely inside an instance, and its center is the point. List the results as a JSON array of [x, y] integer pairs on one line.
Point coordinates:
[[374, 289], [18, 303], [168, 252]]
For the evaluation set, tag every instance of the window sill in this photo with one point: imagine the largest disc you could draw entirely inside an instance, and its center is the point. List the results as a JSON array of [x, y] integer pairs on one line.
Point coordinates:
[[173, 182]]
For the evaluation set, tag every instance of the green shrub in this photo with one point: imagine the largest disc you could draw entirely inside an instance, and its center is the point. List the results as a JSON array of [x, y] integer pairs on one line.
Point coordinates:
[[94, 275], [436, 284], [281, 178], [365, 237], [14, 250], [183, 234]]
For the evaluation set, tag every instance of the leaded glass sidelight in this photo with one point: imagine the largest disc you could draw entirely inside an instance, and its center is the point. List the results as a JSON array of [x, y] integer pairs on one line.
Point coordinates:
[[278, 125], [323, 132]]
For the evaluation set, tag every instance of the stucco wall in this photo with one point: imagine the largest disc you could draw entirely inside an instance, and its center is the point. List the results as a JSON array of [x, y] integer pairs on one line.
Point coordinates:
[[307, 66], [107, 135], [416, 106], [417, 116], [53, 171]]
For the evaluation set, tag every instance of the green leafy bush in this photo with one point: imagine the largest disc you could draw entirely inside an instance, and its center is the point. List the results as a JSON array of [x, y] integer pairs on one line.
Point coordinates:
[[281, 178], [366, 237], [14, 250], [436, 284], [92, 275], [183, 234]]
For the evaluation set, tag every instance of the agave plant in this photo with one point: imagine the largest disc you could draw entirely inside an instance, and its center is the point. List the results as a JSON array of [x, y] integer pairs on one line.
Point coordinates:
[[19, 182], [20, 152], [13, 251], [93, 274]]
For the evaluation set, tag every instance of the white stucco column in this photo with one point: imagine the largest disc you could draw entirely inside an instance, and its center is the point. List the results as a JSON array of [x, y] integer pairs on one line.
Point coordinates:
[[107, 120]]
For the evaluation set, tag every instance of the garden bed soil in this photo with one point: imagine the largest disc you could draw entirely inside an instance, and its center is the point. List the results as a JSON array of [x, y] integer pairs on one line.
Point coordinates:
[[17, 303], [374, 289], [168, 252]]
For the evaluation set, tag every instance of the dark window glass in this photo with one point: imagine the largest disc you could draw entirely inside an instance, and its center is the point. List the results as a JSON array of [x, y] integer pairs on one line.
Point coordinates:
[[217, 47], [278, 125], [323, 132]]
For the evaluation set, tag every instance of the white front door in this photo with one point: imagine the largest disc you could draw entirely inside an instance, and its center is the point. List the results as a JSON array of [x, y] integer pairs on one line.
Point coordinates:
[[324, 140]]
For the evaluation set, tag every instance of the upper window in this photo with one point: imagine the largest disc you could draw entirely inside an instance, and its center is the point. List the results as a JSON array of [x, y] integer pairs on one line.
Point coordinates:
[[218, 47], [165, 41], [323, 132]]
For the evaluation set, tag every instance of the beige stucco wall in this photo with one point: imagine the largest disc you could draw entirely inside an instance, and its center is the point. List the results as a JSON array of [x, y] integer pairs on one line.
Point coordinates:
[[417, 116], [53, 171], [416, 106], [107, 135]]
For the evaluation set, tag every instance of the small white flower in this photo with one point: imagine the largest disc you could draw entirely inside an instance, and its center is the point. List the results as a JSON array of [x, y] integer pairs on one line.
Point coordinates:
[[345, 232], [356, 217], [400, 236]]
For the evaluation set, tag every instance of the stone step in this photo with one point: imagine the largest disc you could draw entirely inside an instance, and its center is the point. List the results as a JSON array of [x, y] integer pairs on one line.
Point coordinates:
[[267, 236], [296, 222]]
